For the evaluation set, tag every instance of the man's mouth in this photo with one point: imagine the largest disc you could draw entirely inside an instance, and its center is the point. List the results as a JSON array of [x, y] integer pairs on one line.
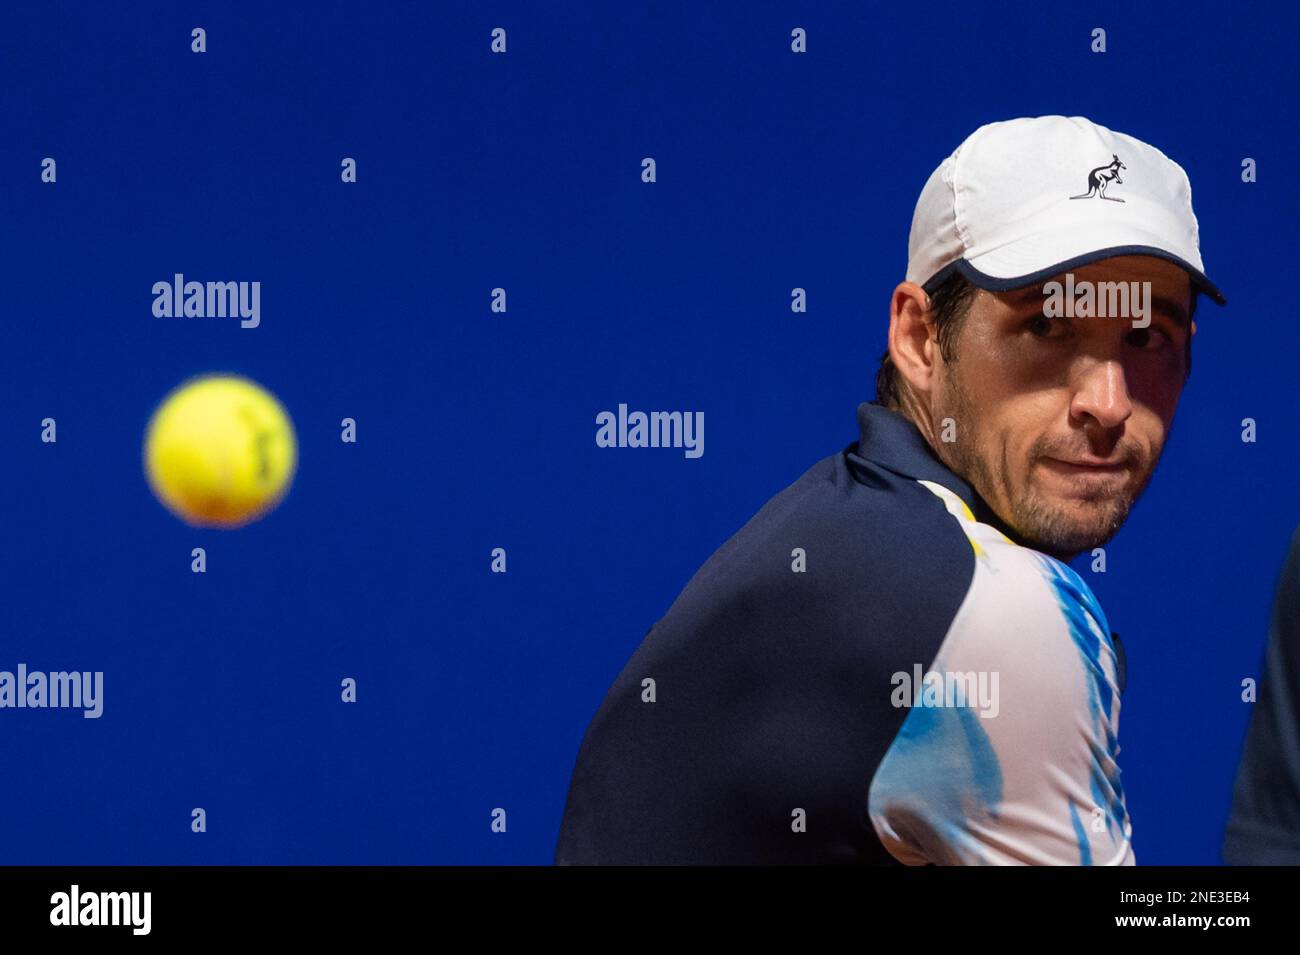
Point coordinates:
[[1088, 465], [1088, 478]]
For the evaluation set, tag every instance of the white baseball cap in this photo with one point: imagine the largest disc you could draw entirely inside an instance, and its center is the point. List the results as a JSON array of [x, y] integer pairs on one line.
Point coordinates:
[[1025, 199]]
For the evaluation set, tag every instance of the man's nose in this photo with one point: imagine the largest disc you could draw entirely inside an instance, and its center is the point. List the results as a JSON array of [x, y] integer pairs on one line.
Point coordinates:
[[1102, 395]]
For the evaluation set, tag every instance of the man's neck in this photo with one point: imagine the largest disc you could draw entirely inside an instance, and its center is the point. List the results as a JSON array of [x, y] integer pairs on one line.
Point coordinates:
[[914, 410]]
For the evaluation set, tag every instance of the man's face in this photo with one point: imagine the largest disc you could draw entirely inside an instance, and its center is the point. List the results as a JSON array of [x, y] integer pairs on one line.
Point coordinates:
[[1059, 422]]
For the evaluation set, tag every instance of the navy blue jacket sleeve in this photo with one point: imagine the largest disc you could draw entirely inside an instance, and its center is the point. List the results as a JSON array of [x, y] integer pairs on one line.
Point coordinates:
[[770, 692]]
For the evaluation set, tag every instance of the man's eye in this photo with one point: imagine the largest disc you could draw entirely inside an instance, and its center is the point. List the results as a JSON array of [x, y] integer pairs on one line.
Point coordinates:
[[1040, 326], [1148, 339]]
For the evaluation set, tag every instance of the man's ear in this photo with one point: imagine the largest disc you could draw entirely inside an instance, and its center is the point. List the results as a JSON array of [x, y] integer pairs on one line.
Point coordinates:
[[912, 346]]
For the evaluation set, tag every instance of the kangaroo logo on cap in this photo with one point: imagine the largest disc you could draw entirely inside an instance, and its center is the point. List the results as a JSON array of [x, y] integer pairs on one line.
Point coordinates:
[[1100, 177]]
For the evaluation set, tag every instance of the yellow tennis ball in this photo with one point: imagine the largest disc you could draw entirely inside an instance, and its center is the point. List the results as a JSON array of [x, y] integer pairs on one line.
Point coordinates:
[[220, 451]]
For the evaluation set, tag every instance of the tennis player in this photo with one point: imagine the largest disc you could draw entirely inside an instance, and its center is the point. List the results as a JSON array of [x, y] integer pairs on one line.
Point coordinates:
[[891, 661]]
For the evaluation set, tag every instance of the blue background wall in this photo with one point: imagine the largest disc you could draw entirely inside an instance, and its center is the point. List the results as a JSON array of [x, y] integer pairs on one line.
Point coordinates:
[[476, 430]]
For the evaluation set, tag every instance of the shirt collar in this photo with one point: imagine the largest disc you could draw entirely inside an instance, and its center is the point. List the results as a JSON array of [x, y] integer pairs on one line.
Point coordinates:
[[892, 441]]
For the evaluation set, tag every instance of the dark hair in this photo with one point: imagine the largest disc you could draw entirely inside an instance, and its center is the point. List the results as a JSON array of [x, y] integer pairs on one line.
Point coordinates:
[[949, 305]]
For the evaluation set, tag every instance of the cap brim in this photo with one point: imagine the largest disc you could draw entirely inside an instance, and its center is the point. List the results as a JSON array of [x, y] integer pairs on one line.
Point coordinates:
[[992, 283]]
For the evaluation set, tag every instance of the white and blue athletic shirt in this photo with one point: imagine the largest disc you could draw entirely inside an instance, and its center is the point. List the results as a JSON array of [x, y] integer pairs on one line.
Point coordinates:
[[810, 716]]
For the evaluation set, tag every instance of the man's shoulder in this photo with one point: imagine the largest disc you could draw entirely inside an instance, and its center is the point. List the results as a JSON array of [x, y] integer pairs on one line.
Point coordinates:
[[847, 544], [767, 683]]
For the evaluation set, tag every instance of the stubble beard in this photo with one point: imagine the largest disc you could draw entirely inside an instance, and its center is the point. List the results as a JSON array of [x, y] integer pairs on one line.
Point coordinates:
[[1038, 520]]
